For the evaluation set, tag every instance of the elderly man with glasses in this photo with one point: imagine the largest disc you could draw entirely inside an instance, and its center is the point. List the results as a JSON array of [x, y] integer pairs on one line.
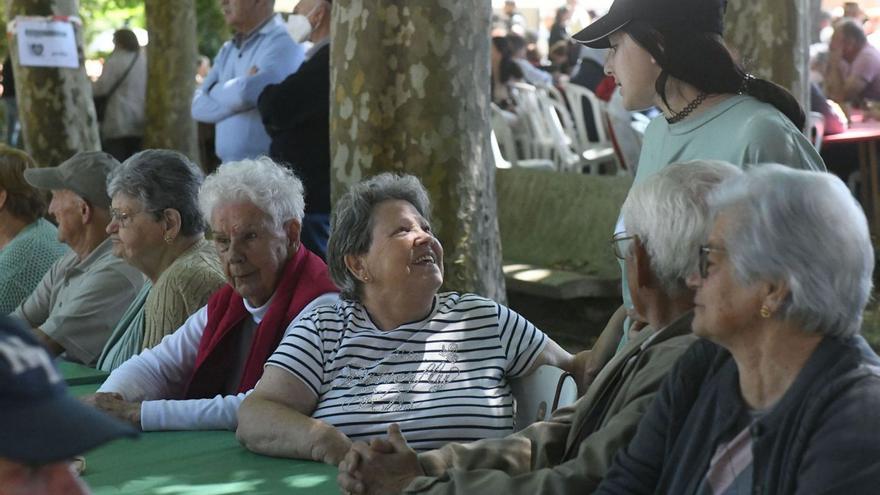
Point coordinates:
[[667, 218]]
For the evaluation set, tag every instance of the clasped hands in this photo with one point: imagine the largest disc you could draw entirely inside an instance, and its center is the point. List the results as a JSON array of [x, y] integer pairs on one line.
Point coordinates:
[[384, 466]]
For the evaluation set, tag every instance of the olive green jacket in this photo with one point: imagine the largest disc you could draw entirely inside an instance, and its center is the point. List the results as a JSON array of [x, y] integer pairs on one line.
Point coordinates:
[[571, 452]]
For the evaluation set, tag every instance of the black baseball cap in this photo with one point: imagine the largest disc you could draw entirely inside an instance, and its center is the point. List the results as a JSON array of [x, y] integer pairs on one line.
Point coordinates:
[[693, 15], [41, 422]]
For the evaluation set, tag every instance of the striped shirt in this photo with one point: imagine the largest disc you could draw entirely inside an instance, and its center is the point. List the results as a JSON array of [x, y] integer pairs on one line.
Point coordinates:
[[443, 379]]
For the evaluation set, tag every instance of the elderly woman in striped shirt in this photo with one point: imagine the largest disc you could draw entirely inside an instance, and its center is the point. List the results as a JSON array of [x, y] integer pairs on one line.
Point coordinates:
[[392, 350]]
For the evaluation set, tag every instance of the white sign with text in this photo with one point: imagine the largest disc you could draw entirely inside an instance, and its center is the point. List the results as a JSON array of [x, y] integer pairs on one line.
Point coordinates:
[[46, 43]]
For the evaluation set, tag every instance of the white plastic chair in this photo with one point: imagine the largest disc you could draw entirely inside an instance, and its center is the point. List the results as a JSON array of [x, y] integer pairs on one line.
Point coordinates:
[[596, 152], [538, 141], [541, 393], [504, 145]]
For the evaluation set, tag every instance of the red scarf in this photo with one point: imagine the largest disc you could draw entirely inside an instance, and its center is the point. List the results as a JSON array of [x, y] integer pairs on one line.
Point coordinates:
[[305, 277]]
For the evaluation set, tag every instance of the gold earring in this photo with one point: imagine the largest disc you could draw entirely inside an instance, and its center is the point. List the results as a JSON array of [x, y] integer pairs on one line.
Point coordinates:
[[168, 239], [765, 311]]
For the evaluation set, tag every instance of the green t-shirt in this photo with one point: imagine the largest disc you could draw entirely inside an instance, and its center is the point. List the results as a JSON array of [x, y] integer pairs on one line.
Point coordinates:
[[741, 130], [25, 260]]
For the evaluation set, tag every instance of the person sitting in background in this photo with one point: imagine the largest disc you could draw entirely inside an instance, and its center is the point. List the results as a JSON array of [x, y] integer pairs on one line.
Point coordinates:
[[43, 426], [560, 66], [124, 83], [28, 244], [853, 67], [296, 113], [157, 227], [393, 350], [559, 29], [570, 453], [197, 377], [834, 119], [533, 75], [783, 396], [504, 72], [78, 302]]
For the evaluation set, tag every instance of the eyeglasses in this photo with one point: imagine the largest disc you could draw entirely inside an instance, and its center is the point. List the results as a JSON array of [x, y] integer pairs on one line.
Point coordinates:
[[618, 248], [705, 249], [124, 218]]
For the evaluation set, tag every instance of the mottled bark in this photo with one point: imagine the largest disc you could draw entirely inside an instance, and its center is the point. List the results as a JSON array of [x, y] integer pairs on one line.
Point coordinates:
[[171, 62], [772, 38], [411, 94], [54, 104]]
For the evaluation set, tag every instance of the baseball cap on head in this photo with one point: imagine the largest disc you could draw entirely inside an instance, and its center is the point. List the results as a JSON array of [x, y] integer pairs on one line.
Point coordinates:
[[692, 15], [85, 173], [42, 423]]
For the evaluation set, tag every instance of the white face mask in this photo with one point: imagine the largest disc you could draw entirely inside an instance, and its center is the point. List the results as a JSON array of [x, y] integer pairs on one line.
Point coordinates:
[[298, 27]]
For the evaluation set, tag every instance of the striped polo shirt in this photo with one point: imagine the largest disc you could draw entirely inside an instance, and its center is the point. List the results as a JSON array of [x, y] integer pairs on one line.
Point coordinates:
[[443, 379]]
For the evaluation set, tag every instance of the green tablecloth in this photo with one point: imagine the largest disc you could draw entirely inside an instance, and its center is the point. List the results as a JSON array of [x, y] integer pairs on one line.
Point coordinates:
[[199, 463], [84, 389], [77, 374], [196, 463]]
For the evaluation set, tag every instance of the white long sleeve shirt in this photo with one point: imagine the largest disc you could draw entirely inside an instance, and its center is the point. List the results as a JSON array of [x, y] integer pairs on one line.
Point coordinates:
[[158, 377]]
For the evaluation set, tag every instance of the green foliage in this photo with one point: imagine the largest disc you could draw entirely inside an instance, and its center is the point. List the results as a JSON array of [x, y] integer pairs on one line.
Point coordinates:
[[106, 15], [100, 16], [212, 28]]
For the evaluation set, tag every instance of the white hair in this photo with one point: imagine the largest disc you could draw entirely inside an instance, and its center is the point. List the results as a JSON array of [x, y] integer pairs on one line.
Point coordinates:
[[270, 187], [806, 229], [669, 214]]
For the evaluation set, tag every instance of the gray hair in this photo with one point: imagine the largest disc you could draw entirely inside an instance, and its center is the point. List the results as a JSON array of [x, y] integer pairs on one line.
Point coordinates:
[[270, 187], [351, 229], [161, 179], [669, 213], [806, 229]]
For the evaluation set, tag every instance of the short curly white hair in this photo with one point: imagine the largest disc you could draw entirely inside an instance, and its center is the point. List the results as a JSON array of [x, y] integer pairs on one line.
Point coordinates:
[[269, 186]]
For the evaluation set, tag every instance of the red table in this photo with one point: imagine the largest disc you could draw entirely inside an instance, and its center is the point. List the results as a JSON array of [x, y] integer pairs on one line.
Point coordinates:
[[865, 135]]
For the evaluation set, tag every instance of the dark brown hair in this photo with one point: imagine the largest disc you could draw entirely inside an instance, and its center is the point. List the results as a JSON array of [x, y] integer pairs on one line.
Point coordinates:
[[22, 200], [126, 40]]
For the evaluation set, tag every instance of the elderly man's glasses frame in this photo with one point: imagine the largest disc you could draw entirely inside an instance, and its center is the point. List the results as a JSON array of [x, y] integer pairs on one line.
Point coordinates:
[[618, 247]]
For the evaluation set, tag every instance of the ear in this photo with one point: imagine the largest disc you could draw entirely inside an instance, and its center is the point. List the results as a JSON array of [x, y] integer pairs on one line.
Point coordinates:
[[356, 265], [292, 230], [644, 274], [171, 219], [775, 294], [86, 211]]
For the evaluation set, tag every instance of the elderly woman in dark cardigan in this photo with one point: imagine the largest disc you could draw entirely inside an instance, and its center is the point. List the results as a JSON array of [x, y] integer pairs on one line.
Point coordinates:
[[783, 396]]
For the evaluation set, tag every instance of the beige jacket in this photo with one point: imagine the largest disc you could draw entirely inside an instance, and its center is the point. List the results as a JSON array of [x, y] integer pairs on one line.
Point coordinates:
[[571, 452]]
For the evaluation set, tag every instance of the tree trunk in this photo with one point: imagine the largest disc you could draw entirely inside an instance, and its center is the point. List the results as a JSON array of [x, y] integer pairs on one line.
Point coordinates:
[[773, 40], [171, 66], [54, 104], [411, 94]]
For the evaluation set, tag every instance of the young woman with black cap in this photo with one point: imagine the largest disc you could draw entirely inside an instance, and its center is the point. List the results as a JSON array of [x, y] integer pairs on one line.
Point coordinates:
[[670, 54]]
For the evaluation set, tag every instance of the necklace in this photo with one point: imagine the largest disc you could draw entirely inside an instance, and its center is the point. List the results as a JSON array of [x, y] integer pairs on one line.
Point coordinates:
[[678, 117]]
